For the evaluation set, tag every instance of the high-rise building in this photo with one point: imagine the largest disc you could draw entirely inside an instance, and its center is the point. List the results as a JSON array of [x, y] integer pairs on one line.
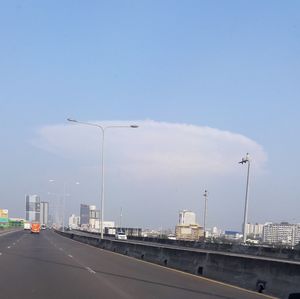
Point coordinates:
[[94, 214], [94, 222], [84, 214], [74, 221], [281, 233], [44, 217], [187, 217], [297, 234], [32, 208]]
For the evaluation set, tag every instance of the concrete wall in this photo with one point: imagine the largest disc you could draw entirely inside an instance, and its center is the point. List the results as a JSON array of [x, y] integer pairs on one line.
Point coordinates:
[[280, 278], [267, 251]]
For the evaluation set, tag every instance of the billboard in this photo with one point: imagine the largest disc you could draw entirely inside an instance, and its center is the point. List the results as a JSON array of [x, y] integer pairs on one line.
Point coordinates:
[[3, 215]]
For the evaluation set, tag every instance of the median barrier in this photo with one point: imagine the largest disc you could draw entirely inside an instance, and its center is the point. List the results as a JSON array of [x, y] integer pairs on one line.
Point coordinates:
[[270, 276]]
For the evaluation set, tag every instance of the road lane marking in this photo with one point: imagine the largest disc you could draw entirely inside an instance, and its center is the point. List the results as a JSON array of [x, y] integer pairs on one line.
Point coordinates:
[[90, 270], [178, 271], [71, 256], [8, 247], [0, 253], [171, 269]]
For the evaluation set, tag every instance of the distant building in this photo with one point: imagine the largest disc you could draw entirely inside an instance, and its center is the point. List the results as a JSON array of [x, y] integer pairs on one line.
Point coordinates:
[[187, 217], [254, 230], [74, 221], [297, 234], [94, 218], [32, 208], [213, 233], [281, 233], [187, 228], [189, 232], [90, 219], [84, 214], [44, 213], [232, 235]]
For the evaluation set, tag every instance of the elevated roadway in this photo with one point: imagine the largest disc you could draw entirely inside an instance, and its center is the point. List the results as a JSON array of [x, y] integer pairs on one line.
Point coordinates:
[[50, 266]]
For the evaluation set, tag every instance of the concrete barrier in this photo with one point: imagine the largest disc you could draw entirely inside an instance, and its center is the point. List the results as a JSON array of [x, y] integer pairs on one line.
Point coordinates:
[[271, 276], [256, 250]]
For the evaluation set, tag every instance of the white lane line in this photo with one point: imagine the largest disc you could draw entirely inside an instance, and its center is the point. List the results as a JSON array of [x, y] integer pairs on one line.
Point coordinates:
[[71, 256], [90, 270], [0, 253], [8, 247]]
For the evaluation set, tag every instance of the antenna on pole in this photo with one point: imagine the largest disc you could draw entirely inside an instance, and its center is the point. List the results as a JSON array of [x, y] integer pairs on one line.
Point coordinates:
[[121, 214]]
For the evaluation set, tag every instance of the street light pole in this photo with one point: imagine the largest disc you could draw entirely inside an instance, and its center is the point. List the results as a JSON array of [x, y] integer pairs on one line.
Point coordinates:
[[64, 206], [102, 128], [246, 160], [64, 195], [102, 189], [205, 211]]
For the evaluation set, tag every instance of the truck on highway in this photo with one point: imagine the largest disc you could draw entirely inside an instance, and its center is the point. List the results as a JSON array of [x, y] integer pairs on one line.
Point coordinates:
[[35, 227]]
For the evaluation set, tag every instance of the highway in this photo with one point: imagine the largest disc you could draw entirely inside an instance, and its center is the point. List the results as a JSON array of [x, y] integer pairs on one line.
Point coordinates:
[[50, 266]]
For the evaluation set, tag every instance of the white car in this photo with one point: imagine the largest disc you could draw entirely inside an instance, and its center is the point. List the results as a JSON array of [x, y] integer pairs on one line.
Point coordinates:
[[120, 236]]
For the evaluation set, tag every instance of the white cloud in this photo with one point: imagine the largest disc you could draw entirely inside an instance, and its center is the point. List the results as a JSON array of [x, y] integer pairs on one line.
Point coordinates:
[[155, 149]]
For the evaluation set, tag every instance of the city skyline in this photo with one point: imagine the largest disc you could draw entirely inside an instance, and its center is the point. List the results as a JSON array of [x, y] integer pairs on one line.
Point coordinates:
[[205, 82]]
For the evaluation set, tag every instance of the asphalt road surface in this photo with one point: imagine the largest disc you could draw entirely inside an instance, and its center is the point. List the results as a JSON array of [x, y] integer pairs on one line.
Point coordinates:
[[48, 265]]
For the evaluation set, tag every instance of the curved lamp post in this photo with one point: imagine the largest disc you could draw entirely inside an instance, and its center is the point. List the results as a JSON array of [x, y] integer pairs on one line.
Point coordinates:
[[102, 128], [64, 194]]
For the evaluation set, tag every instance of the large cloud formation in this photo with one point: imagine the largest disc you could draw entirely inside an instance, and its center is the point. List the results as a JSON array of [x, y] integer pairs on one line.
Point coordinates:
[[154, 148], [165, 165]]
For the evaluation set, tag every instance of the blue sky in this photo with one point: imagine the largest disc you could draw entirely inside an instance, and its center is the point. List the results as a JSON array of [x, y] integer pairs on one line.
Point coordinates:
[[229, 65]]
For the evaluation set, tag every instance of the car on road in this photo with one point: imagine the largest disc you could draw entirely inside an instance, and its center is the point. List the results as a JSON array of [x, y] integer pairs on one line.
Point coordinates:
[[120, 236]]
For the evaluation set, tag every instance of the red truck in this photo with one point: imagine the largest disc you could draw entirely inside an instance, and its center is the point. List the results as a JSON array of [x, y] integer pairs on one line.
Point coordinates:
[[35, 227]]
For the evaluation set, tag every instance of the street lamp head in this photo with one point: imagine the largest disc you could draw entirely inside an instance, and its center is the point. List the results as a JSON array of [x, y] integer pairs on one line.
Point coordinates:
[[245, 159], [72, 120], [134, 126]]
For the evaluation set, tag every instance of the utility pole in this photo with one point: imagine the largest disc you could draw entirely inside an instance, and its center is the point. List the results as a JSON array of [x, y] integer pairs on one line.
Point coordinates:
[[121, 214], [205, 211], [246, 160]]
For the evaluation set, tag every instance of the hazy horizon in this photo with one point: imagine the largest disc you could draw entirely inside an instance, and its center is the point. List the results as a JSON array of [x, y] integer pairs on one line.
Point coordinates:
[[206, 82]]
